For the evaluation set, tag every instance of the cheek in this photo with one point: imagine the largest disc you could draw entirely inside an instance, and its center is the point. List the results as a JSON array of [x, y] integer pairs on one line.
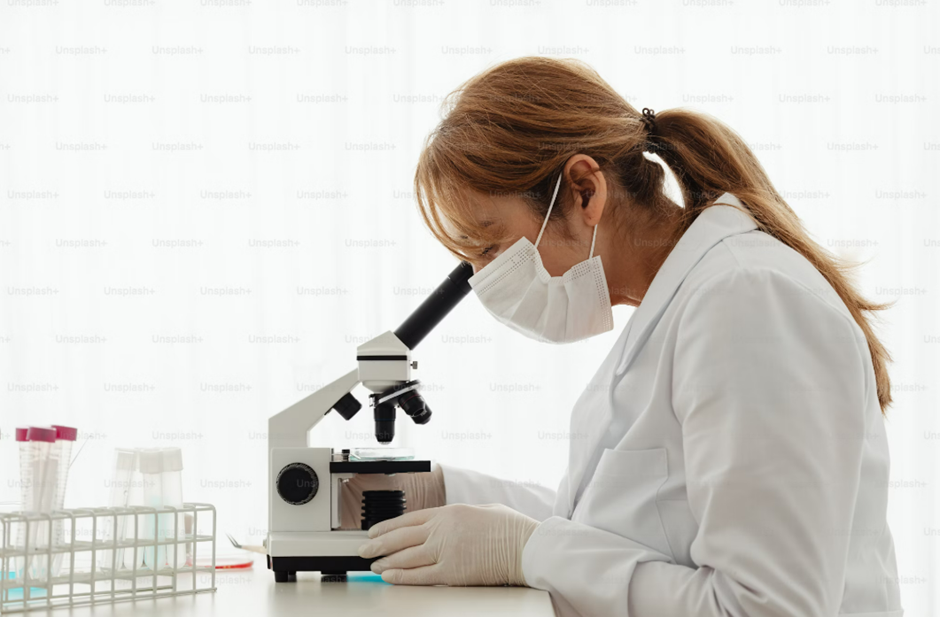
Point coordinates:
[[557, 256], [553, 266]]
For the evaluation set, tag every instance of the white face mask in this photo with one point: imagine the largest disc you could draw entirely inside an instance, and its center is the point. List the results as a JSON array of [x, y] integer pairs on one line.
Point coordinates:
[[518, 291]]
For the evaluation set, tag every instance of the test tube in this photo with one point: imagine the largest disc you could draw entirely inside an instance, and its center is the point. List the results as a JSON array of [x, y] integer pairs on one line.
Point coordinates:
[[151, 470], [173, 524], [26, 478], [115, 529], [65, 437], [136, 523], [44, 471], [26, 492]]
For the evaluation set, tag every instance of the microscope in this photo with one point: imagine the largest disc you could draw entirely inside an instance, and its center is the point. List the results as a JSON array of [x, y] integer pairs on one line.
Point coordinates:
[[304, 507]]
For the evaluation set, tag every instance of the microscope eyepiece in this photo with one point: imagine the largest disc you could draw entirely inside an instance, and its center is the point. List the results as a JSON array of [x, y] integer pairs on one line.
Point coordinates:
[[436, 306]]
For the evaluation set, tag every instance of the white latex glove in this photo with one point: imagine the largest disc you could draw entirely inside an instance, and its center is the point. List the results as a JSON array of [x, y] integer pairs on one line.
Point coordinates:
[[452, 545], [422, 490]]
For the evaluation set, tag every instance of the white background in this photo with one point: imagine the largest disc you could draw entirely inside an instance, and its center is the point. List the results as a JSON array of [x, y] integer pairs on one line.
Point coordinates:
[[205, 207]]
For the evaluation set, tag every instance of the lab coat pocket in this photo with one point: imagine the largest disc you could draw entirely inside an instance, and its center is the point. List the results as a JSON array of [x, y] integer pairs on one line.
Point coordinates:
[[621, 497]]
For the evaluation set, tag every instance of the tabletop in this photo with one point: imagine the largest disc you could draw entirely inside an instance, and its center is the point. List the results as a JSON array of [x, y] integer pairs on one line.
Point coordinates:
[[252, 591]]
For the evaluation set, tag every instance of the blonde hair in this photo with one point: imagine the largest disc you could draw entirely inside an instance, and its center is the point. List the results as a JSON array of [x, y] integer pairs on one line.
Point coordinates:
[[510, 130]]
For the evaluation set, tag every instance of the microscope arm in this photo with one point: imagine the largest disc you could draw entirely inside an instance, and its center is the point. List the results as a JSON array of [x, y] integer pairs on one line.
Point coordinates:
[[289, 428]]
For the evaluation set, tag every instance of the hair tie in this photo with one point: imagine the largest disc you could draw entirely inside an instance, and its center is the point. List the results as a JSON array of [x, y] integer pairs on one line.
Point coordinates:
[[649, 121]]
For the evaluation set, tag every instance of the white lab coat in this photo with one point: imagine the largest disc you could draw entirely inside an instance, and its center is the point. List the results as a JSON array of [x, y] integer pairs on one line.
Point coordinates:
[[729, 457]]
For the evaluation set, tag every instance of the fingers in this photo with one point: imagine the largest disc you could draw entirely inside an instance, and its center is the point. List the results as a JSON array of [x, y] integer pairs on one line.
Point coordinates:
[[418, 517], [411, 557], [425, 575], [394, 541]]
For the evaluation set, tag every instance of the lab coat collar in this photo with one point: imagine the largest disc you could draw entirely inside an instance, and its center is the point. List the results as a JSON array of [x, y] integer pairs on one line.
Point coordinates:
[[726, 217]]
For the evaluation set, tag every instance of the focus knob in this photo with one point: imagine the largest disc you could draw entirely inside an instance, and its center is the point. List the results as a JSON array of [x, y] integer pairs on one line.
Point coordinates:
[[297, 483]]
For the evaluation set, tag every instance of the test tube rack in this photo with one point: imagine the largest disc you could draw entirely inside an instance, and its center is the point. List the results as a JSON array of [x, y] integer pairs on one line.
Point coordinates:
[[83, 553]]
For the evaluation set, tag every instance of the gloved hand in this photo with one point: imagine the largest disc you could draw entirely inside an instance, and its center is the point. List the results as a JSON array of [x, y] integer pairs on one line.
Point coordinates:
[[422, 490], [452, 545]]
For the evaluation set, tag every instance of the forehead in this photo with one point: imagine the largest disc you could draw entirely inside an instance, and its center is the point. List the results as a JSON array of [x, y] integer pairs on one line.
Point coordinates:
[[498, 207]]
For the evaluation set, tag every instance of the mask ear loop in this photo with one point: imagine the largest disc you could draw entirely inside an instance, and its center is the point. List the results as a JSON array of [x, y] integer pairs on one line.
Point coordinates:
[[550, 206], [593, 238]]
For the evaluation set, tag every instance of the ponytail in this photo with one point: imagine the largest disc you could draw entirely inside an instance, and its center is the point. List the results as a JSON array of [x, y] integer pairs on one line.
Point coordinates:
[[708, 158]]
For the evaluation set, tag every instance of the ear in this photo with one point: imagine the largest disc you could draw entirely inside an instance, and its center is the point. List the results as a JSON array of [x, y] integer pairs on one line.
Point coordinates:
[[588, 188]]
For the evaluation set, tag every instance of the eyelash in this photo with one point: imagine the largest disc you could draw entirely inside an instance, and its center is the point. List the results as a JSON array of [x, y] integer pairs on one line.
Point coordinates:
[[487, 250]]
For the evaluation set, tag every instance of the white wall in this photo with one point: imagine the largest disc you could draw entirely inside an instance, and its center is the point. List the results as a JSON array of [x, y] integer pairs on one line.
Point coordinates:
[[135, 281]]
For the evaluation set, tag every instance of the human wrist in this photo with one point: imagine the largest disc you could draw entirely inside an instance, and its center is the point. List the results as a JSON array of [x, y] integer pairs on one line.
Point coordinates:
[[424, 490], [436, 494], [527, 527]]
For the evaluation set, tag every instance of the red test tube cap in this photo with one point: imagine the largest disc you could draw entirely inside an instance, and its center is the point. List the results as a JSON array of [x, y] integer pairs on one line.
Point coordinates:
[[66, 433], [40, 433]]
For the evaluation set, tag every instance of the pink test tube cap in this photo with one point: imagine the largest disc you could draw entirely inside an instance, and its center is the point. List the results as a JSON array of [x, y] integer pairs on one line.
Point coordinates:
[[21, 433], [65, 433], [40, 433]]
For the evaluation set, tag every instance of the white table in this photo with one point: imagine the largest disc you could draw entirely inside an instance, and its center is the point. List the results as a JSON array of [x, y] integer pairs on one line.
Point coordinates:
[[253, 592]]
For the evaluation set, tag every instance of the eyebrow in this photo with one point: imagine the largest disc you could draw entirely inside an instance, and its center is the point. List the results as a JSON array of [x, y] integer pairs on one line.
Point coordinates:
[[483, 224]]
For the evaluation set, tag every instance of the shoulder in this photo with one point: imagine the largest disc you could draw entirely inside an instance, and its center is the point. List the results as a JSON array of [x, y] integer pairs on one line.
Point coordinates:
[[754, 269], [753, 291], [769, 328]]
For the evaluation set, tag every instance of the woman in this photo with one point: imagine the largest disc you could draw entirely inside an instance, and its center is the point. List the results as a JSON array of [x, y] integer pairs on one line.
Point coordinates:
[[733, 459]]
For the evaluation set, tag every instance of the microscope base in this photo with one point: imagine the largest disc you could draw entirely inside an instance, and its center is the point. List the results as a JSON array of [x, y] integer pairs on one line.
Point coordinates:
[[286, 568], [335, 553]]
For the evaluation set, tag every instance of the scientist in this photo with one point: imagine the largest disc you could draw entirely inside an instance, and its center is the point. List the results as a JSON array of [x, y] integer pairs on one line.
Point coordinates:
[[730, 457]]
